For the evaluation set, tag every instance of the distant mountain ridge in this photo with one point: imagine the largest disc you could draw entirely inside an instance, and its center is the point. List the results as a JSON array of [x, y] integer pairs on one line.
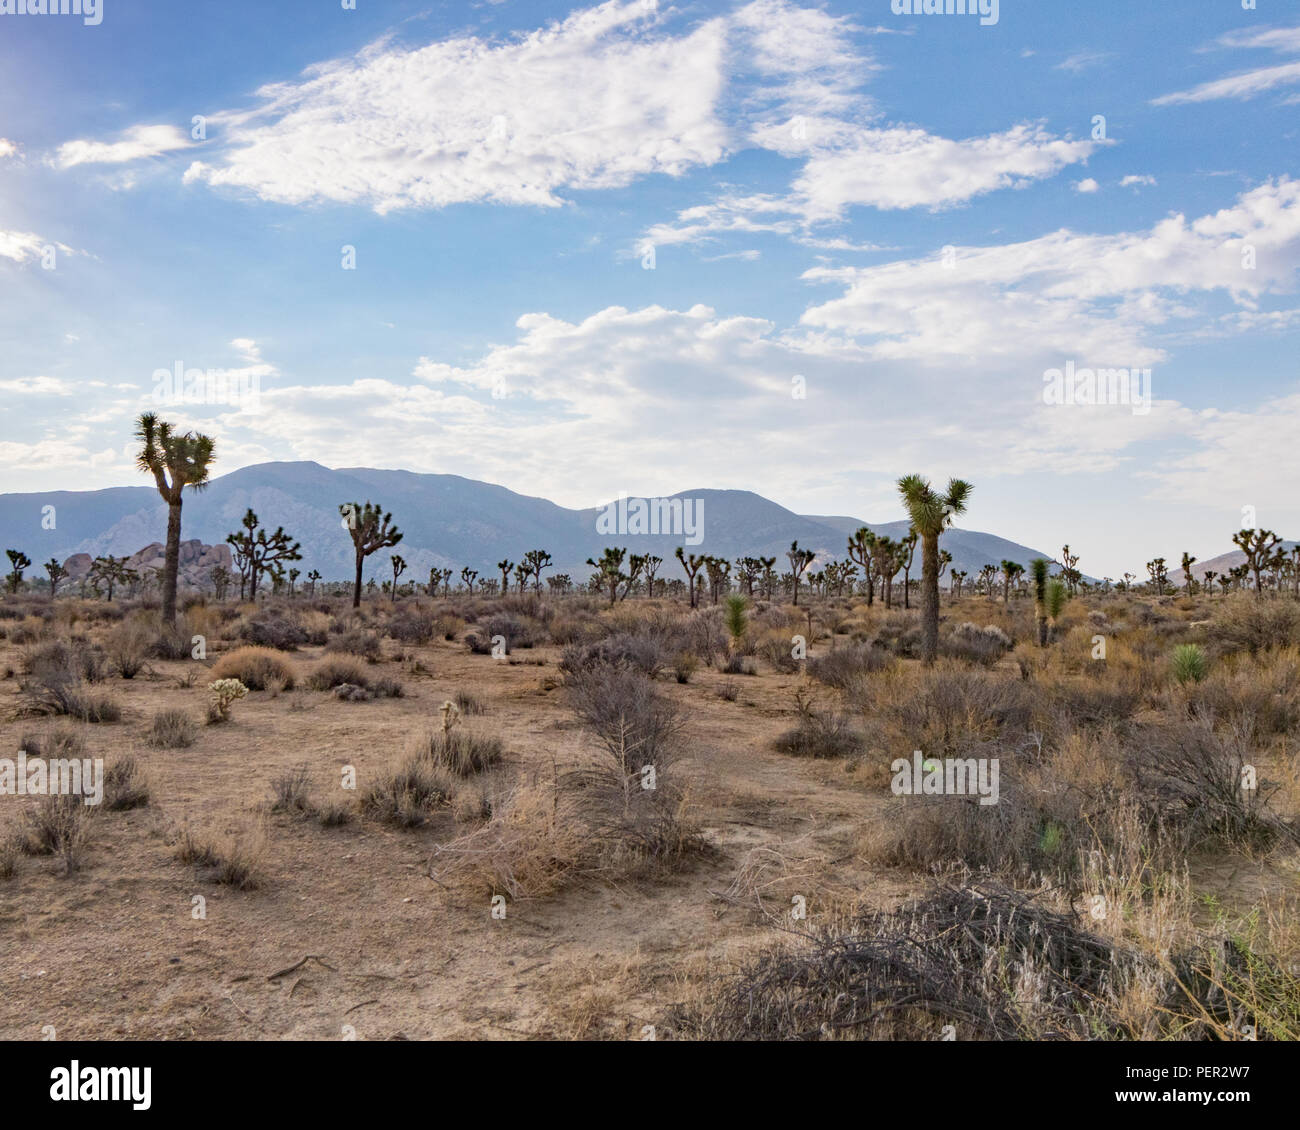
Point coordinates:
[[448, 521]]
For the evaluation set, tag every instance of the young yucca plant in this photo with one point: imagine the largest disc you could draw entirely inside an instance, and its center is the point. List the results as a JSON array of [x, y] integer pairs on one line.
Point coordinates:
[[1039, 569], [1189, 663], [736, 619]]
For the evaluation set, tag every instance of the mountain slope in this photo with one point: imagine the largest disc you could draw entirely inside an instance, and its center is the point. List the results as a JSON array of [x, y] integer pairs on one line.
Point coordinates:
[[448, 521]]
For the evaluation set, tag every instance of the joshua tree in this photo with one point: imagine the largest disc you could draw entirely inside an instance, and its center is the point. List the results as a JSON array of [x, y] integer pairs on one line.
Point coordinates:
[[609, 570], [1057, 595], [692, 564], [398, 563], [651, 568], [112, 571], [945, 559], [505, 567], [257, 552], [769, 575], [1258, 546], [931, 513], [57, 572], [1188, 580], [1038, 569], [220, 577], [988, 575], [799, 560], [717, 569], [371, 530], [862, 548], [312, 578], [535, 560], [1069, 573], [1159, 574], [907, 552], [1010, 571], [294, 574], [175, 462], [467, 577], [958, 579], [18, 561], [1208, 578], [522, 573]]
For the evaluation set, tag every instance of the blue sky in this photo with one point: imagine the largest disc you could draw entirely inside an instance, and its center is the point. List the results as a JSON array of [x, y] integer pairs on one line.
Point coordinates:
[[502, 171]]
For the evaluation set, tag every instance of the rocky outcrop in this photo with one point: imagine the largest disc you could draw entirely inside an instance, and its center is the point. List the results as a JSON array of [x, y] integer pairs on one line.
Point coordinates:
[[196, 562]]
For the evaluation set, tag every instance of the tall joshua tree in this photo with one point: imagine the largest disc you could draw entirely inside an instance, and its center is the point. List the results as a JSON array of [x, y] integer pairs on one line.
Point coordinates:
[[907, 553], [535, 560], [176, 461], [398, 562], [371, 530], [1188, 580], [18, 561], [505, 566], [862, 547], [931, 512], [57, 572], [1010, 571]]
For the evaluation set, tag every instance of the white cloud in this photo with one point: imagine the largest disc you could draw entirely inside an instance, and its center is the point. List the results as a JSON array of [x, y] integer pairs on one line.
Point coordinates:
[[1087, 185], [1135, 181], [135, 144], [1093, 297], [21, 246], [1084, 61], [1248, 83], [36, 386], [8, 148], [590, 102]]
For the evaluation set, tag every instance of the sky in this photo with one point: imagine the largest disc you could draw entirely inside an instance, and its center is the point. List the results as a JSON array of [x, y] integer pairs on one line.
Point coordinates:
[[796, 248]]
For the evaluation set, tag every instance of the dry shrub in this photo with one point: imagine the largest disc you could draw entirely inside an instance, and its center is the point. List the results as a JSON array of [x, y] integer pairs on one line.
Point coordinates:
[[291, 792], [129, 645], [1242, 623], [411, 626], [55, 685], [358, 641], [257, 668], [468, 703], [992, 962], [274, 630], [408, 792], [10, 849], [528, 848], [125, 785], [235, 858], [846, 666], [171, 729], [59, 826], [461, 752], [331, 673], [632, 800], [818, 733]]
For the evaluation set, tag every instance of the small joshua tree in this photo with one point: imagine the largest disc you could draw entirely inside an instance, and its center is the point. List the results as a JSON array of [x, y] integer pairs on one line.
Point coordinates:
[[1038, 569], [57, 572], [398, 563], [692, 563], [1188, 580], [736, 620], [18, 561], [609, 571], [799, 560]]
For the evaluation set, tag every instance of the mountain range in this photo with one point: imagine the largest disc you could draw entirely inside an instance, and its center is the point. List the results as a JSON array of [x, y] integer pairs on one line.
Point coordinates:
[[447, 520]]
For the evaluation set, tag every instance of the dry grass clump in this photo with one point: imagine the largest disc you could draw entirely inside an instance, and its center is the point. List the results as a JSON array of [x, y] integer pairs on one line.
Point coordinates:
[[335, 672], [461, 752], [60, 826], [129, 645], [235, 858], [1242, 623], [818, 733], [846, 666], [258, 668], [171, 729], [56, 684], [125, 785], [408, 793], [358, 641]]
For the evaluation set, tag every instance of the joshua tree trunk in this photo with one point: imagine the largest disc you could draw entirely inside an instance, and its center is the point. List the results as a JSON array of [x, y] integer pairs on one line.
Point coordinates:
[[356, 588], [929, 598], [173, 562]]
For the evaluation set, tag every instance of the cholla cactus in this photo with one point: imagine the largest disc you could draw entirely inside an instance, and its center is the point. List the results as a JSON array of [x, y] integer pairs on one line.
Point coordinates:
[[225, 692], [450, 715]]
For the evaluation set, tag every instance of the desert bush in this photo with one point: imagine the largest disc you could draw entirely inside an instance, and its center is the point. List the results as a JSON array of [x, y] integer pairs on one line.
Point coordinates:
[[128, 646], [59, 741], [468, 703], [358, 641], [818, 733], [511, 630], [59, 826], [1243, 623], [10, 849], [448, 626], [55, 686], [125, 785], [77, 656], [291, 791], [729, 691], [846, 666], [684, 666], [632, 800], [406, 794], [974, 644], [331, 673], [460, 751], [644, 653], [256, 668], [171, 729], [233, 859], [273, 630], [740, 665], [411, 627]]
